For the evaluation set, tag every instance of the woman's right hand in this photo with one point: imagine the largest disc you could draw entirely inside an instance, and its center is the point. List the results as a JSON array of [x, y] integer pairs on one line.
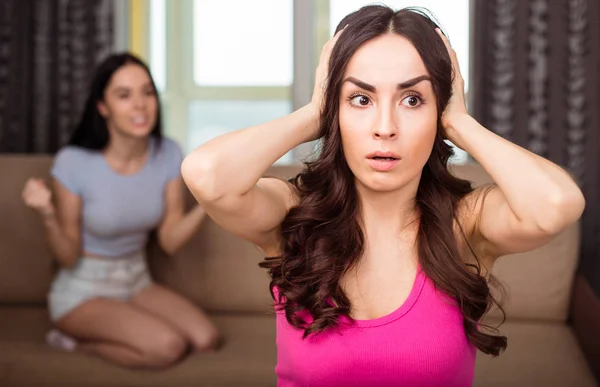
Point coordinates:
[[38, 196], [322, 72]]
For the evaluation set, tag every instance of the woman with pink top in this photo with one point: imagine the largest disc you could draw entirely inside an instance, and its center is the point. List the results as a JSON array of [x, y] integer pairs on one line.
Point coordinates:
[[380, 257]]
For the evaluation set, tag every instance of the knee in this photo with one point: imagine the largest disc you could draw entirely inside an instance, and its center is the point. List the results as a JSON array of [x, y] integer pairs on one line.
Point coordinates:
[[165, 349], [209, 340]]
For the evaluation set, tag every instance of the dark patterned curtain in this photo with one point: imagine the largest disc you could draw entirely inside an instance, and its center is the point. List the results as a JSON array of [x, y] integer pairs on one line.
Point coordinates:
[[48, 51], [537, 83]]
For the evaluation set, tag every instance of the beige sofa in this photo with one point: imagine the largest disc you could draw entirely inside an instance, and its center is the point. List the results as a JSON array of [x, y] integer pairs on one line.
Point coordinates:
[[220, 273]]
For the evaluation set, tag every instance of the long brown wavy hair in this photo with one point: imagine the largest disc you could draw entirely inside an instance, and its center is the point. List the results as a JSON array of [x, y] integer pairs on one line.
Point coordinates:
[[322, 237]]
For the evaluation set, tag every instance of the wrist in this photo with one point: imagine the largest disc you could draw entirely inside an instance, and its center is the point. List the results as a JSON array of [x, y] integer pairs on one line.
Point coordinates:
[[312, 111], [313, 116], [47, 213], [455, 125], [198, 211]]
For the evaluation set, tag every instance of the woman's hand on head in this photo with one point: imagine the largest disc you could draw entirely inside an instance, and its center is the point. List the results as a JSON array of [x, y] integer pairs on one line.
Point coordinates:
[[322, 73], [38, 196], [457, 105]]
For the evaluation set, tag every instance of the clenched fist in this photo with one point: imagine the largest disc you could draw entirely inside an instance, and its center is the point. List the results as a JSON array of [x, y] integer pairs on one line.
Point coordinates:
[[38, 196]]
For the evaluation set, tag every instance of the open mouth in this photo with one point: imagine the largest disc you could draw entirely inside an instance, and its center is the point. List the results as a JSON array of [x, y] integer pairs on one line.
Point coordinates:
[[139, 120], [383, 161]]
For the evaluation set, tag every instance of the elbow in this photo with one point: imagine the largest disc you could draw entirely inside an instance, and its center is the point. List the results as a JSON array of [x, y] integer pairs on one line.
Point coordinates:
[[199, 172], [68, 262], [68, 256], [169, 250], [167, 244], [562, 210]]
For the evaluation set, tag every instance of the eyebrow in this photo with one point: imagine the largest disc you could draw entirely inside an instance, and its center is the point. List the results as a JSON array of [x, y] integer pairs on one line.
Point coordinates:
[[119, 89], [400, 86]]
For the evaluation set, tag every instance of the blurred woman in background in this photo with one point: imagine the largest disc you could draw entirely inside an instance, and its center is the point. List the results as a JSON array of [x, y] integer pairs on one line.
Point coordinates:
[[117, 180]]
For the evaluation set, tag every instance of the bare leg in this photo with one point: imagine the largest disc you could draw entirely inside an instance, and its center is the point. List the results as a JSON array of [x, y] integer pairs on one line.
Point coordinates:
[[180, 313], [124, 334]]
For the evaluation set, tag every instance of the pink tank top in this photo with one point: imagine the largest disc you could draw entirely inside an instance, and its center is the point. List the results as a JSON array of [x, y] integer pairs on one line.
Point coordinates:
[[422, 343]]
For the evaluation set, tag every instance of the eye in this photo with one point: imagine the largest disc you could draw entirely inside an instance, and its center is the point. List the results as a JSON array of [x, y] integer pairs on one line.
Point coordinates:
[[359, 100], [412, 101]]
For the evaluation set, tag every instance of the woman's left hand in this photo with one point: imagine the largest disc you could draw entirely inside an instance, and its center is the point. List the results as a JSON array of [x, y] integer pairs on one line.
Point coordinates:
[[457, 105]]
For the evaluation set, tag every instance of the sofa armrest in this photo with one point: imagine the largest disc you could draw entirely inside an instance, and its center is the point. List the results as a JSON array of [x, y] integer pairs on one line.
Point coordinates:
[[585, 312]]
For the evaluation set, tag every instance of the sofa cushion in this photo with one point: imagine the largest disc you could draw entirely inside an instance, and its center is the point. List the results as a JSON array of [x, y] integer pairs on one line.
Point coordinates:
[[538, 284], [248, 357], [538, 354], [216, 270]]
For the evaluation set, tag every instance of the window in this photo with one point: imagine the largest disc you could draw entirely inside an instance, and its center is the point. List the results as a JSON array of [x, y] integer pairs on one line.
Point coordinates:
[[248, 47], [214, 79], [225, 65], [158, 36]]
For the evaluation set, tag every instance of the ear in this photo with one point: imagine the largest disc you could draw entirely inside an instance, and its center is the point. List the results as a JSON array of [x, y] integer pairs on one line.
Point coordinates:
[[102, 109]]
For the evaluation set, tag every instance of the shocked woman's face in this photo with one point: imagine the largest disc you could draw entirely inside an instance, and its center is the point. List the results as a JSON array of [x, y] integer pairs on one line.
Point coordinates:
[[388, 113]]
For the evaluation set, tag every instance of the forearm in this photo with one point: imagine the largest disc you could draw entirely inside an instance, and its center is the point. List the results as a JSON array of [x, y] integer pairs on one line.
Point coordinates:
[[65, 251], [538, 191], [178, 234], [233, 163]]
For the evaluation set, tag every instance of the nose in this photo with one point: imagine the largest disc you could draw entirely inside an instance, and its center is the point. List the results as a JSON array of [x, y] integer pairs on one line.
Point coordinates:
[[386, 125], [139, 101]]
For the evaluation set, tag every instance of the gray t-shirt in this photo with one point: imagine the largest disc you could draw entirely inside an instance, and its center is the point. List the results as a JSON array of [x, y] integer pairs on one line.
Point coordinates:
[[118, 211]]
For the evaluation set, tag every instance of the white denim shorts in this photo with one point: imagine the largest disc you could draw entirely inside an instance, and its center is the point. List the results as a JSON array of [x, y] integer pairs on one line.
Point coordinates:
[[91, 278]]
